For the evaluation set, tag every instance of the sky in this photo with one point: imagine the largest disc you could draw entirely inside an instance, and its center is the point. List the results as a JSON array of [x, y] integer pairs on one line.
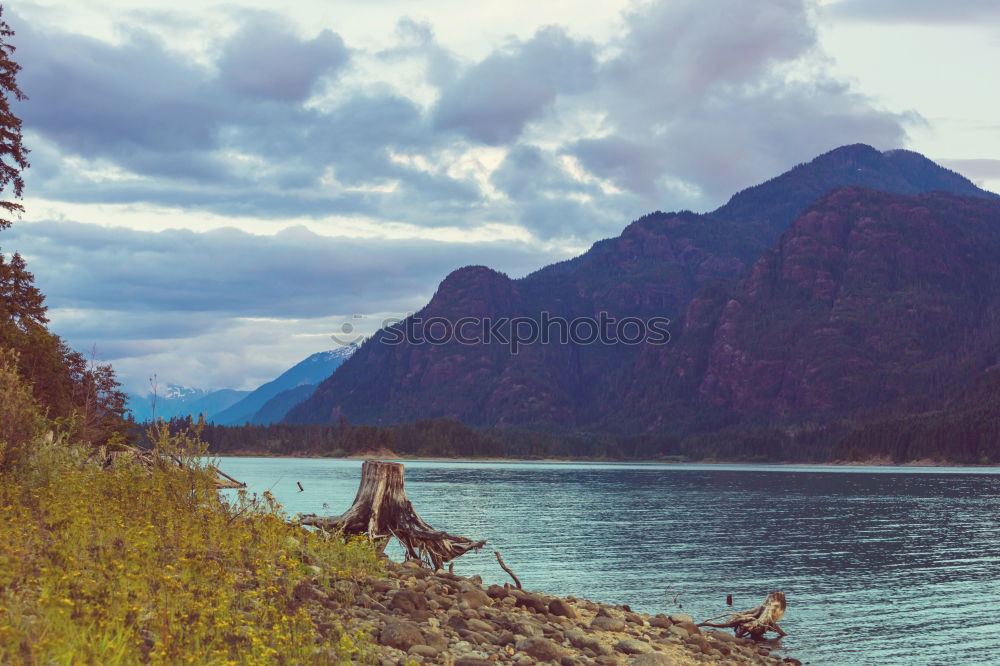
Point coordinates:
[[216, 188]]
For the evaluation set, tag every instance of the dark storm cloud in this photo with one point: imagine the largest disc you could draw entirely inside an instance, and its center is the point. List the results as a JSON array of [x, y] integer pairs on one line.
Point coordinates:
[[494, 99], [916, 11]]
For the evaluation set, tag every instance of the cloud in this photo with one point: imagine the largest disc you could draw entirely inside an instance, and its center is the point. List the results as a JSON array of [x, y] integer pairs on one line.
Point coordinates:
[[685, 104], [295, 273], [234, 139], [976, 169], [558, 136], [417, 40], [633, 165], [705, 99], [266, 59], [135, 293], [934, 12], [493, 100]]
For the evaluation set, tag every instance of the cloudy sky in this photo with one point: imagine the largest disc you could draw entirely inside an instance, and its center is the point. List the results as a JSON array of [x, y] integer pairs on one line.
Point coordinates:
[[215, 188]]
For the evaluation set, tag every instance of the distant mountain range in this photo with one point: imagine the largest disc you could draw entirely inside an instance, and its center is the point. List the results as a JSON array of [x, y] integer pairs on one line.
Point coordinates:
[[267, 404], [861, 283], [180, 401], [271, 401]]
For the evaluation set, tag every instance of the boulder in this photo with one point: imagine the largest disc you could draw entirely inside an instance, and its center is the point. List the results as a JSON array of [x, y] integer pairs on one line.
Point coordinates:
[[584, 641], [425, 651], [633, 646], [678, 632], [541, 649], [476, 598], [606, 623], [531, 601], [653, 659], [473, 661], [561, 608], [407, 601], [401, 635], [689, 627], [527, 628], [480, 625], [496, 591]]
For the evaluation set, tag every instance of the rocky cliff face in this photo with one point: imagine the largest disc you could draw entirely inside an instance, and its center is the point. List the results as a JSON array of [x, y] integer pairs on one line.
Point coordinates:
[[832, 317]]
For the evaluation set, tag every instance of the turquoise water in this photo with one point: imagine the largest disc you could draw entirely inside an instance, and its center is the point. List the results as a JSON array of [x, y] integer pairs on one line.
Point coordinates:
[[880, 565]]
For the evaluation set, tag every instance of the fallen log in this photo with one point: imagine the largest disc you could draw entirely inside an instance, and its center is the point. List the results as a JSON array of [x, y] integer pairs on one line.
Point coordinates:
[[382, 511], [756, 621]]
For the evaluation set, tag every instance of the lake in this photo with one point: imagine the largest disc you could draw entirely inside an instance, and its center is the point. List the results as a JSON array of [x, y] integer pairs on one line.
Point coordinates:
[[884, 565]]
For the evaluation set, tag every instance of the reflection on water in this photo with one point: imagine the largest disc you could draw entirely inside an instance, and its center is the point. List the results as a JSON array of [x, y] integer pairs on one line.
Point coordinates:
[[880, 565]]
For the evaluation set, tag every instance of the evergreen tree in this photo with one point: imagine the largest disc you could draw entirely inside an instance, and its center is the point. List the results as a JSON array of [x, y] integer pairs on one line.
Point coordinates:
[[13, 154]]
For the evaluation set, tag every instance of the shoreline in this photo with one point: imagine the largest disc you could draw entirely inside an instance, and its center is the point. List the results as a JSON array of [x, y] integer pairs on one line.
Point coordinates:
[[393, 457], [435, 617]]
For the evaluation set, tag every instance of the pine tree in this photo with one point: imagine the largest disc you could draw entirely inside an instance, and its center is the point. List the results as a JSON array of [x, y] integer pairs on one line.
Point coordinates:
[[13, 154]]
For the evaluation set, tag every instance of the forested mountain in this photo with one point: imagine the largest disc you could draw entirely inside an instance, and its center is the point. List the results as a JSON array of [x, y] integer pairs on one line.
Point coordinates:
[[770, 207], [796, 300], [275, 409], [871, 302]]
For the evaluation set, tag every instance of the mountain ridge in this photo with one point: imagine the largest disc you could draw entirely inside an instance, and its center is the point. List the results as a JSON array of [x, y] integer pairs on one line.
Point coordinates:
[[310, 370], [680, 265]]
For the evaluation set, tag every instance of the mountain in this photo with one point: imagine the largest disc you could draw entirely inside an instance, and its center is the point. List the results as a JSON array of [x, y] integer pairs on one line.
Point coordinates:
[[770, 207], [181, 401], [871, 303], [654, 267], [308, 372], [275, 409], [692, 269]]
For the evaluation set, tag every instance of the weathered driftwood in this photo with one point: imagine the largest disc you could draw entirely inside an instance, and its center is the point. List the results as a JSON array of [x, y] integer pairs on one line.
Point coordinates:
[[382, 511], [223, 480], [507, 569], [106, 456], [756, 621]]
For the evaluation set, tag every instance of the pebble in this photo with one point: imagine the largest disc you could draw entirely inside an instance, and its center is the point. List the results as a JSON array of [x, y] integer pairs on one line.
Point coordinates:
[[425, 617]]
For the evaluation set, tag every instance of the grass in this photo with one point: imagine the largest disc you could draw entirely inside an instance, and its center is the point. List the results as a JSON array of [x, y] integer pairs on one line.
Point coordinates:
[[125, 564]]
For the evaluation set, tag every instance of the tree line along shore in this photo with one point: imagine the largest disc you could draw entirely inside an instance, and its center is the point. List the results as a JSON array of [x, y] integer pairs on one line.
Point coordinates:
[[969, 435]]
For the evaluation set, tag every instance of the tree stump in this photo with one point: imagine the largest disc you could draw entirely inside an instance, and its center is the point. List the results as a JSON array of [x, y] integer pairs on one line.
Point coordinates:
[[381, 510], [756, 621]]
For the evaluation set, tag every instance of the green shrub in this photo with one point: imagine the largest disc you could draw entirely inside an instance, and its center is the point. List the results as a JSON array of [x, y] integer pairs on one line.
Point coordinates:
[[21, 420], [146, 564]]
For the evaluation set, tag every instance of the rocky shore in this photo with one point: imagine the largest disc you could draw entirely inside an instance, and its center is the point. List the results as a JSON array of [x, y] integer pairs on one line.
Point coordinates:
[[416, 615]]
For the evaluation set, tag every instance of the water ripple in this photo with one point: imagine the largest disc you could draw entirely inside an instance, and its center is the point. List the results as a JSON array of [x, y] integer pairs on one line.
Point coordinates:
[[880, 565]]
